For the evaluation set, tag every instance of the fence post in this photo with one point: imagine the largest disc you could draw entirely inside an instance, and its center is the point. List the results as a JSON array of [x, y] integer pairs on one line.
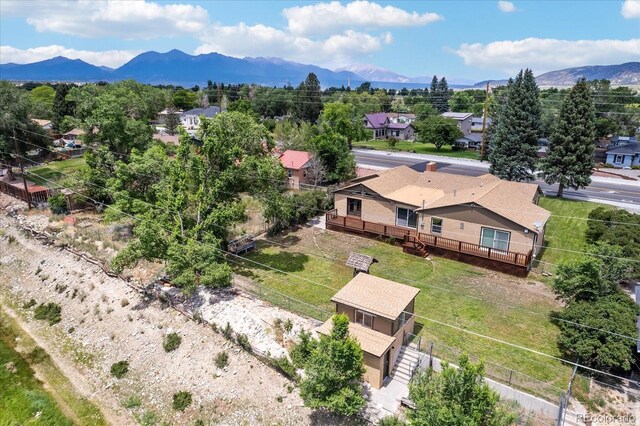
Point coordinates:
[[430, 355], [510, 375]]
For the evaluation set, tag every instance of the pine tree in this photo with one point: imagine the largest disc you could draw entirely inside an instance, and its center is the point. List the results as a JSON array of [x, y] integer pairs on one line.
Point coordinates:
[[443, 96], [570, 157], [514, 144], [308, 100]]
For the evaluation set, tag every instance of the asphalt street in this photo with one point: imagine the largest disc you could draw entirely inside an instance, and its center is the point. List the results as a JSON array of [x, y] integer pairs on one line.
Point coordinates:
[[597, 191]]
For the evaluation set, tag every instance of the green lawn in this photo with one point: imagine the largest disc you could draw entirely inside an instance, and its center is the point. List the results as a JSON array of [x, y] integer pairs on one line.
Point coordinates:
[[565, 235], [55, 171], [451, 292], [23, 399], [419, 148]]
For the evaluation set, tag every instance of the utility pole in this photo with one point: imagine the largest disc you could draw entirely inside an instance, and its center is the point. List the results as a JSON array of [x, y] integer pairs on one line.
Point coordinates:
[[24, 179], [484, 123]]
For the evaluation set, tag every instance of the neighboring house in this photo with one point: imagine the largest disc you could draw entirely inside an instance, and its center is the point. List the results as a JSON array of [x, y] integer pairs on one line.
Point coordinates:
[[470, 141], [401, 117], [71, 139], [476, 123], [543, 147], [382, 127], [622, 140], [381, 316], [625, 155], [463, 119], [481, 219], [297, 164], [191, 119], [45, 124]]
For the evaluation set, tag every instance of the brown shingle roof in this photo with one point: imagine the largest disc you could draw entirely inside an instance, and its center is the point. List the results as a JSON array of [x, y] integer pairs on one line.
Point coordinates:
[[371, 341], [359, 261], [511, 200], [376, 295]]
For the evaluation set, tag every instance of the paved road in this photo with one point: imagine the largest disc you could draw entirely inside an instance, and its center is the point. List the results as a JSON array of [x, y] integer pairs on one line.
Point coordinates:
[[611, 192]]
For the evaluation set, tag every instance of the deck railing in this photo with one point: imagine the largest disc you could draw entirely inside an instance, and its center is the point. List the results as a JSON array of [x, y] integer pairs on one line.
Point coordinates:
[[415, 238]]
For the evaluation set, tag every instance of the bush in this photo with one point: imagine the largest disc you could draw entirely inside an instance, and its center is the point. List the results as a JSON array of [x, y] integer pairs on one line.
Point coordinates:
[[50, 312], [243, 341], [301, 351], [119, 369], [608, 166], [285, 211], [171, 342], [222, 359], [288, 325], [30, 304], [58, 204], [181, 400], [635, 167], [391, 421], [227, 332], [284, 366], [133, 401]]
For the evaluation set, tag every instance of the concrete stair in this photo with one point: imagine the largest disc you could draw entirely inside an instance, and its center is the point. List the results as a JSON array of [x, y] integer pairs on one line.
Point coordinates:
[[407, 360]]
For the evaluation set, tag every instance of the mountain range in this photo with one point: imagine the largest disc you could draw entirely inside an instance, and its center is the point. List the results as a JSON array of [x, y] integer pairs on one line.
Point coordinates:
[[179, 68]]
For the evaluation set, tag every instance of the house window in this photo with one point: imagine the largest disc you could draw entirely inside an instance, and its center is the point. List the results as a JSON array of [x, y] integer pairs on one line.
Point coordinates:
[[304, 173], [461, 225], [354, 207], [436, 225], [406, 218], [495, 239], [364, 319], [289, 172], [618, 159]]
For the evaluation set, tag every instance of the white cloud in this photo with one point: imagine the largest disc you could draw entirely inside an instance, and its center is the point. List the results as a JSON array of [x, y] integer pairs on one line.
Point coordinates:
[[506, 6], [631, 9], [547, 54], [325, 18], [112, 18], [110, 58], [259, 40]]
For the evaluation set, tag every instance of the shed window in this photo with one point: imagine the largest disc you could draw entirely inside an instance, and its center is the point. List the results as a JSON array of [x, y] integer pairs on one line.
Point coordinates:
[[364, 318], [618, 158], [354, 207], [436, 225], [495, 239]]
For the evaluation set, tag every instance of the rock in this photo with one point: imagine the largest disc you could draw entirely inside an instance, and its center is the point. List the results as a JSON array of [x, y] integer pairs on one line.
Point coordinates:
[[11, 367]]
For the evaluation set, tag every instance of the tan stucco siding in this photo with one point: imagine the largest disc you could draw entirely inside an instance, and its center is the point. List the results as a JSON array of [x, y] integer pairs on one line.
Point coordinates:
[[380, 324], [472, 220], [373, 369], [373, 209]]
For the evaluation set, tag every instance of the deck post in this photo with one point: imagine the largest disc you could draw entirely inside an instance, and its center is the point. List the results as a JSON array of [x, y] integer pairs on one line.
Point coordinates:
[[489, 253]]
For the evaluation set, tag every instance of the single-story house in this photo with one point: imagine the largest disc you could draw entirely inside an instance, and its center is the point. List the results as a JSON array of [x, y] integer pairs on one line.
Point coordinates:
[[71, 139], [401, 117], [470, 141], [463, 119], [381, 314], [191, 119], [474, 217], [297, 164], [625, 155], [45, 124], [382, 127], [543, 147]]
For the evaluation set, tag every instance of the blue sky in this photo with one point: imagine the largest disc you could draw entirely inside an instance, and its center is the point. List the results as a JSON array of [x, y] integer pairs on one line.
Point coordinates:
[[460, 39]]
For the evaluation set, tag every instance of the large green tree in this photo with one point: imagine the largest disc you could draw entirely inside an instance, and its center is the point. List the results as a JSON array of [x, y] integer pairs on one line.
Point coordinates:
[[334, 372], [333, 151], [62, 107], [308, 99], [438, 130], [514, 141], [42, 101], [570, 157], [344, 120], [455, 396]]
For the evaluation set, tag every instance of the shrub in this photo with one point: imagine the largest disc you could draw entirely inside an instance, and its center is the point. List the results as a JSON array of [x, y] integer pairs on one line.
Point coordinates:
[[11, 239], [288, 325], [391, 421], [243, 341], [197, 317], [222, 359], [227, 332], [181, 400], [50, 312], [119, 369], [284, 366], [58, 204], [635, 167], [171, 342], [149, 418], [301, 351], [30, 304], [133, 401], [608, 166], [214, 327]]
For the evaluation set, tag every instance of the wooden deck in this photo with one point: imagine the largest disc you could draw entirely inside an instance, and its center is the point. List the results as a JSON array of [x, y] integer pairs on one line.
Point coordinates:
[[37, 194], [418, 242]]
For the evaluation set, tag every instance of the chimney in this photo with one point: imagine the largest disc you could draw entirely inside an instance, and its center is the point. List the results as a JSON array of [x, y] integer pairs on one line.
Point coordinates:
[[430, 167]]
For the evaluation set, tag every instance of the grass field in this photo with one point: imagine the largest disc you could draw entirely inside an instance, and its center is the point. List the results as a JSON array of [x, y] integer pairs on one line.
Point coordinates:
[[417, 147], [565, 235], [23, 398], [451, 292], [55, 171]]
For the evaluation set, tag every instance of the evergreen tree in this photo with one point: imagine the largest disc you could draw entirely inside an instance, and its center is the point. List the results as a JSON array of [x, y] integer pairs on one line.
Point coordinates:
[[443, 95], [334, 372], [514, 143], [570, 158], [61, 106], [308, 100]]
